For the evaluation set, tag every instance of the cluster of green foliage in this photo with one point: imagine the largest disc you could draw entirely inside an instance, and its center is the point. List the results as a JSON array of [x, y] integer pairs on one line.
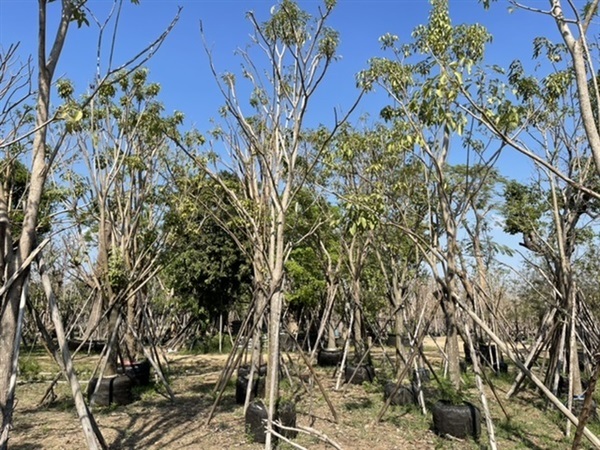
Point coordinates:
[[15, 175], [205, 267]]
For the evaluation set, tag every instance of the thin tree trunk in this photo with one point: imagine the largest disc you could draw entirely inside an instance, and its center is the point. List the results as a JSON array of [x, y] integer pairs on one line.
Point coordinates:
[[581, 68], [130, 340], [575, 388], [9, 304], [338, 382], [108, 348], [256, 356], [327, 321], [557, 358], [399, 332], [331, 345], [452, 350], [11, 322], [276, 308], [94, 441], [221, 333], [359, 344], [112, 354], [8, 405]]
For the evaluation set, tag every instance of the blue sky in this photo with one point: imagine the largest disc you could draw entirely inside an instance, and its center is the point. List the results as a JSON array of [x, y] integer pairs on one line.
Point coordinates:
[[181, 65]]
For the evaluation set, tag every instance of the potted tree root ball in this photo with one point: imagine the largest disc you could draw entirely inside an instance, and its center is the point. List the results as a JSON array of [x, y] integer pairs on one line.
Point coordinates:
[[138, 371], [329, 357], [454, 416], [256, 421], [117, 389], [359, 374], [404, 395], [244, 370], [578, 406], [258, 383], [422, 374], [461, 421], [241, 387], [257, 415], [286, 413]]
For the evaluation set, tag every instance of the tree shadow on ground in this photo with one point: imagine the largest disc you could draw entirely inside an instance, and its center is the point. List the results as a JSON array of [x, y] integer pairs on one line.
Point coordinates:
[[159, 423], [202, 388], [25, 446], [519, 435], [163, 424], [359, 403]]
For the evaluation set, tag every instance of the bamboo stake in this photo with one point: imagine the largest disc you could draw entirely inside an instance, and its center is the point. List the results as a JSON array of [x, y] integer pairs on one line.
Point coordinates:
[[155, 364], [92, 434], [311, 432], [272, 431], [493, 389], [421, 396], [233, 360], [346, 350], [324, 321], [23, 267], [572, 358], [587, 404], [79, 347], [413, 353], [104, 357], [484, 404], [588, 434], [241, 339], [319, 384], [535, 349]]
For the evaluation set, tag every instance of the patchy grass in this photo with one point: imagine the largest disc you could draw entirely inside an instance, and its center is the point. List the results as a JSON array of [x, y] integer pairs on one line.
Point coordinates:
[[29, 368], [153, 422]]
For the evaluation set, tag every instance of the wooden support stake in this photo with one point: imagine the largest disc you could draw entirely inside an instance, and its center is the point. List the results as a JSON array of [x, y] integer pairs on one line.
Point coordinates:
[[92, 433], [555, 401]]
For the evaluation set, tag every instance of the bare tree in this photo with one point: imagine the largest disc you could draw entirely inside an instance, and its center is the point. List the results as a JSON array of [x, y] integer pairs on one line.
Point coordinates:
[[11, 306], [18, 249], [123, 143], [269, 148], [576, 27], [428, 120]]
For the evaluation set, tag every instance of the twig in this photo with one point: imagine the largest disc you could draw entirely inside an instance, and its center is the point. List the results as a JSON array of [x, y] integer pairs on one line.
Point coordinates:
[[283, 438], [318, 381], [453, 438], [311, 432]]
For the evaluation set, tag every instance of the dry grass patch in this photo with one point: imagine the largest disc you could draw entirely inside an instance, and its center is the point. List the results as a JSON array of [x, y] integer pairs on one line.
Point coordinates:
[[153, 422]]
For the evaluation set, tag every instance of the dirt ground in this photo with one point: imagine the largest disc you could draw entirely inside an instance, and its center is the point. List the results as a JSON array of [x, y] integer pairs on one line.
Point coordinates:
[[153, 422]]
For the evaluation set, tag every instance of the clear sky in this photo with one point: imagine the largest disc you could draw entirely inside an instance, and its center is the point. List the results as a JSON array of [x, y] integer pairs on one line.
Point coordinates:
[[181, 65]]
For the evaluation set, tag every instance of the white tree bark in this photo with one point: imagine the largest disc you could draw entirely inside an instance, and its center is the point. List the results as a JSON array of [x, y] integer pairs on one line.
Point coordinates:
[[94, 442]]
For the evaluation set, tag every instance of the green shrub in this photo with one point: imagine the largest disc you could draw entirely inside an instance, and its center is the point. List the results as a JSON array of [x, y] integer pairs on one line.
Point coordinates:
[[447, 392]]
